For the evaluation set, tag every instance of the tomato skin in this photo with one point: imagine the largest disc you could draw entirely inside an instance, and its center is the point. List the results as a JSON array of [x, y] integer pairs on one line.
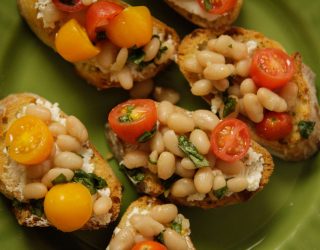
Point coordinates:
[[149, 245], [274, 126], [73, 6], [98, 16], [130, 131], [220, 6], [271, 68], [29, 140], [68, 206], [230, 140]]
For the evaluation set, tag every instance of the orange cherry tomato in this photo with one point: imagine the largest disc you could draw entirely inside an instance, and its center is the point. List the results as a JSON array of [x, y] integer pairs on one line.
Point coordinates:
[[217, 6], [68, 206], [274, 126], [149, 245], [73, 43], [69, 5], [131, 119], [132, 27], [29, 140], [271, 68], [230, 140]]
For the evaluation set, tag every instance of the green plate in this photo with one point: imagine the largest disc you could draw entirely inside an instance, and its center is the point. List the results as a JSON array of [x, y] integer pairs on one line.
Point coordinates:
[[285, 215]]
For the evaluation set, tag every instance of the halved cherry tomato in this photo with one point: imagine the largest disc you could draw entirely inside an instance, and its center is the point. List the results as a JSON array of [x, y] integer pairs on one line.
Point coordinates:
[[271, 68], [69, 5], [217, 6], [149, 245], [131, 119], [29, 140], [73, 43], [132, 27], [274, 126], [98, 16], [68, 206], [230, 140]]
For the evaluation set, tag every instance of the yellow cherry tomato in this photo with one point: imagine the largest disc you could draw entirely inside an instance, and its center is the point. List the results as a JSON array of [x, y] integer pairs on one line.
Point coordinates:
[[73, 43], [29, 140], [68, 206], [132, 27]]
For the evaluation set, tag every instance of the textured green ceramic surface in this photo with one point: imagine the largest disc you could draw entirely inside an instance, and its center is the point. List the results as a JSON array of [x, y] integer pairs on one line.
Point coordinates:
[[285, 215]]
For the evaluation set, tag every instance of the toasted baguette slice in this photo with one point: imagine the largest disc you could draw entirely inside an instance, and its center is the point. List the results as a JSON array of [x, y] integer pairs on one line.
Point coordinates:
[[90, 70], [13, 179], [294, 147], [152, 185], [143, 205], [195, 14]]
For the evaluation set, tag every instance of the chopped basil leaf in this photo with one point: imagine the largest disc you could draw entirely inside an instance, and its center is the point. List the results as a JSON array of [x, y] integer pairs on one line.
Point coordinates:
[[306, 128], [161, 51], [191, 151], [146, 136], [208, 5], [36, 207], [136, 175], [61, 178], [90, 180], [127, 116], [136, 55], [220, 192], [17, 204], [229, 106], [176, 226], [151, 161], [159, 238]]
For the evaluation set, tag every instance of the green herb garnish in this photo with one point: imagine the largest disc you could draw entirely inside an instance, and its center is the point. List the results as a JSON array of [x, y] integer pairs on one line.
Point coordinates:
[[17, 204], [136, 55], [61, 178], [146, 136], [221, 192], [159, 238], [208, 5], [36, 207], [135, 175], [127, 116], [176, 226], [90, 180], [161, 51], [229, 106], [306, 128]]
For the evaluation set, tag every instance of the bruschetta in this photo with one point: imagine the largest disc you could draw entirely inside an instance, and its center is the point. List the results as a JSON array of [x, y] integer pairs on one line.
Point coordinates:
[[217, 15], [244, 74], [49, 169], [150, 224], [110, 43], [190, 158]]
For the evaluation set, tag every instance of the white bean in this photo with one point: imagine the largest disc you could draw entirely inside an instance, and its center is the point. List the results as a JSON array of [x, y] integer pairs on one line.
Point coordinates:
[[180, 123], [57, 129], [125, 78], [170, 140], [202, 87], [166, 165], [248, 86], [37, 171], [271, 100], [205, 119], [230, 168], [183, 172], [68, 160], [219, 182], [183, 187], [35, 190], [241, 107], [243, 67], [217, 72], [107, 55], [234, 90], [76, 129], [121, 60], [166, 55], [165, 109], [237, 184], [200, 140], [40, 112], [192, 65], [239, 51], [102, 205], [157, 143], [187, 163], [221, 85], [141, 89], [151, 49], [164, 213], [174, 241], [135, 159], [54, 173], [253, 108], [146, 225], [68, 143], [123, 240], [166, 94], [206, 56], [203, 180], [289, 93]]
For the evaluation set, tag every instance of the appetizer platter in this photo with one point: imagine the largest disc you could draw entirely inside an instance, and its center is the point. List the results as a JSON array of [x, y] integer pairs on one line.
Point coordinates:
[[282, 215]]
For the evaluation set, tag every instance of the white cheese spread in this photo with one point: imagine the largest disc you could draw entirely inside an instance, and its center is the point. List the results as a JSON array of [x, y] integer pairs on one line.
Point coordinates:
[[251, 45], [48, 13], [254, 163]]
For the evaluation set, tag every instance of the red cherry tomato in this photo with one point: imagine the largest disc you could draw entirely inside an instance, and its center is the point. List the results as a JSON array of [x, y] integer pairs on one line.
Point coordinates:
[[217, 6], [271, 68], [149, 245], [69, 5], [274, 126], [131, 119], [98, 16], [230, 140]]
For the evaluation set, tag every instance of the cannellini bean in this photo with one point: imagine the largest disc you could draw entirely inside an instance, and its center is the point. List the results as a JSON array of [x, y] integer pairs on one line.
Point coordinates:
[[107, 55], [125, 78], [200, 140], [237, 184], [203, 180], [219, 182], [165, 109], [140, 238], [234, 90], [135, 159], [151, 49], [205, 119], [253, 108], [68, 143], [243, 67], [54, 173], [141, 89], [192, 65], [146, 225], [102, 205], [187, 163], [248, 86], [35, 190], [271, 100], [123, 240], [164, 213], [241, 107], [183, 172], [170, 140], [68, 160], [180, 123], [166, 165], [166, 94], [289, 93], [230, 168], [76, 129], [239, 51], [40, 112], [121, 60], [173, 240], [166, 55], [37, 171], [183, 187], [202, 87], [221, 85], [217, 72], [206, 56], [87, 2], [157, 143], [57, 129]]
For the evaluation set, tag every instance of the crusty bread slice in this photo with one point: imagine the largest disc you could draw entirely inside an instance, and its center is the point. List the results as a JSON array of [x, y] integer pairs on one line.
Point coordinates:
[[145, 203], [88, 69], [222, 23], [294, 147], [11, 181]]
